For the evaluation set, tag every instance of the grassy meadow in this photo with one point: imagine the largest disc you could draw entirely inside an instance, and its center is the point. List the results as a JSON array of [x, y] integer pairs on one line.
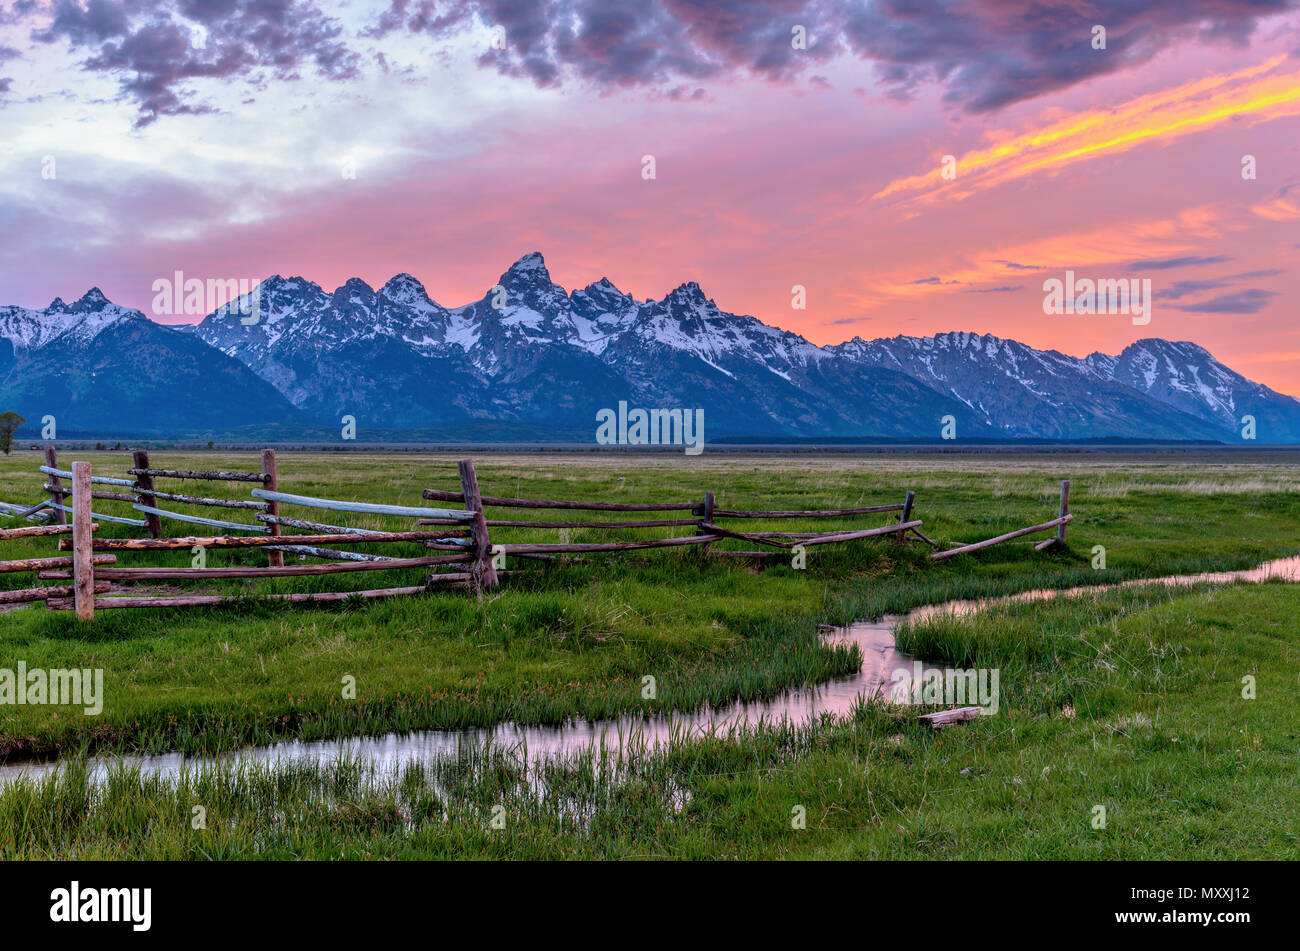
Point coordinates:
[[1128, 699]]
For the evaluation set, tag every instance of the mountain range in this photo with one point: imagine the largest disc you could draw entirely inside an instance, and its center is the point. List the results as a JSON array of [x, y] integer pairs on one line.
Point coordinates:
[[538, 361]]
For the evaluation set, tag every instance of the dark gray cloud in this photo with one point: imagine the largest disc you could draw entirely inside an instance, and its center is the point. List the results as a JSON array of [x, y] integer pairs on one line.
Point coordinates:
[[1253, 275], [1180, 289], [985, 53], [1249, 301], [153, 47], [1167, 263], [1004, 289]]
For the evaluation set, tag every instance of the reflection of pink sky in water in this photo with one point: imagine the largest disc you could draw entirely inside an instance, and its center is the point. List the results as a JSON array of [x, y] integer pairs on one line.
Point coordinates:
[[874, 639], [1284, 569]]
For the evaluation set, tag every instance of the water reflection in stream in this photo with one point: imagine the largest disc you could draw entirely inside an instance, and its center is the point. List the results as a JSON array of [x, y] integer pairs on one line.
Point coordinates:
[[875, 640]]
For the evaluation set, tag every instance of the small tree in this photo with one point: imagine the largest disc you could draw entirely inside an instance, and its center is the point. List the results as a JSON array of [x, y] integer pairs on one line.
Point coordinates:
[[8, 423]]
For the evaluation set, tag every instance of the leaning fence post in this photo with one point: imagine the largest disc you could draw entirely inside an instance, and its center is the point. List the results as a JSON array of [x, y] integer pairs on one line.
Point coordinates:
[[144, 486], [56, 485], [485, 575], [1065, 510], [271, 482], [901, 537], [83, 572]]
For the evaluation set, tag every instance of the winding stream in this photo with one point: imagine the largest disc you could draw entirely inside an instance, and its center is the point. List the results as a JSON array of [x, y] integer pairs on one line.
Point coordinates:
[[875, 640]]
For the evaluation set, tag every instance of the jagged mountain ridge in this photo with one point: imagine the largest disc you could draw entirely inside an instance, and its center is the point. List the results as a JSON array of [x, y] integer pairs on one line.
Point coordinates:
[[98, 367], [529, 352]]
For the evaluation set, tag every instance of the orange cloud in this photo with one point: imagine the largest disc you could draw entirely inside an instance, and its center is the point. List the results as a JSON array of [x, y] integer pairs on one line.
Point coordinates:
[[1170, 114], [1164, 237], [1284, 207]]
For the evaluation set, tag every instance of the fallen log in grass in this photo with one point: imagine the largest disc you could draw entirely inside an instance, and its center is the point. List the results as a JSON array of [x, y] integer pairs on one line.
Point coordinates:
[[945, 718], [976, 546]]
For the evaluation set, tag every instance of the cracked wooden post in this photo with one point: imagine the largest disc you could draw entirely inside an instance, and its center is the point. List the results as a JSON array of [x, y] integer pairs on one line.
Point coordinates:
[[83, 571], [144, 483], [901, 537], [485, 575], [56, 495], [271, 483], [1065, 510]]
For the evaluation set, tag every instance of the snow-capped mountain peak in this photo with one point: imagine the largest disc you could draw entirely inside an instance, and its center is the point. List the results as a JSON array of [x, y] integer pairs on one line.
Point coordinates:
[[539, 352]]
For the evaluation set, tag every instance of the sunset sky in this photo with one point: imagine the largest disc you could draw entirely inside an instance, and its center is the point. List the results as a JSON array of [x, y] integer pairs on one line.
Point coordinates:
[[774, 166]]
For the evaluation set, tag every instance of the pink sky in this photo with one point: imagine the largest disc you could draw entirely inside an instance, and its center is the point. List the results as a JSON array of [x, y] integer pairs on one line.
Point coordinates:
[[823, 178]]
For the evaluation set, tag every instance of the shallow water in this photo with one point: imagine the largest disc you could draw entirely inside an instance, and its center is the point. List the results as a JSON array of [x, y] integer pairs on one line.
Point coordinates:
[[875, 640]]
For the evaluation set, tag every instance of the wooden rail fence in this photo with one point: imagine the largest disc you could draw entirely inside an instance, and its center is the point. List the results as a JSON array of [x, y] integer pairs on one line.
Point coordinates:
[[463, 535]]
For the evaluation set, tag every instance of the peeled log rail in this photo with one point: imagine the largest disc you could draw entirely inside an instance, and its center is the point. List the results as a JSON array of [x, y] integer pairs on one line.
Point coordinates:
[[199, 474], [283, 571], [117, 520], [249, 541], [199, 520], [106, 496], [345, 530], [200, 500], [41, 564], [948, 717], [368, 508], [22, 595], [95, 480], [976, 546], [204, 600], [812, 513], [827, 539], [442, 496], [37, 530], [541, 549], [321, 527], [23, 511], [498, 523], [330, 554]]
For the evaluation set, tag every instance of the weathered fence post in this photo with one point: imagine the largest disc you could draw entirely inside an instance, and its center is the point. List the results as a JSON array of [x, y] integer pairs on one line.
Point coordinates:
[[708, 518], [152, 523], [271, 482], [83, 571], [485, 575], [901, 537], [56, 496], [1065, 510]]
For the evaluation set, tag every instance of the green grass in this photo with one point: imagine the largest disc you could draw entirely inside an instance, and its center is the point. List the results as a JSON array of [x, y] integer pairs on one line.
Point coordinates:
[[1148, 674], [1131, 700]]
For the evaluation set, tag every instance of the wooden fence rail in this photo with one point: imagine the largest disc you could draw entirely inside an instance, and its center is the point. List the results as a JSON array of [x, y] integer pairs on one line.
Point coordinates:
[[463, 533]]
